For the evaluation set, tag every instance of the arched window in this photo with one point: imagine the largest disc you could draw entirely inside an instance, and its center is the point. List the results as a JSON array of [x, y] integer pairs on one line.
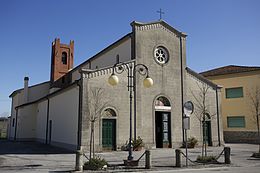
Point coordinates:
[[162, 103], [109, 113], [64, 57]]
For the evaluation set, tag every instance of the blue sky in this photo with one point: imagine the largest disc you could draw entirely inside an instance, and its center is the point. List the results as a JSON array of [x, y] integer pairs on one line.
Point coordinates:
[[220, 32]]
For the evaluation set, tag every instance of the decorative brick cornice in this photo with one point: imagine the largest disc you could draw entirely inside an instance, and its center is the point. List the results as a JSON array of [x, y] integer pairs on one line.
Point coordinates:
[[157, 25], [87, 73]]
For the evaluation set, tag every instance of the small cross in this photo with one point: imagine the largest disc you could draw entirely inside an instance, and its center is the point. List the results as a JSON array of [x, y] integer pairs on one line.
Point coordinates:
[[161, 12]]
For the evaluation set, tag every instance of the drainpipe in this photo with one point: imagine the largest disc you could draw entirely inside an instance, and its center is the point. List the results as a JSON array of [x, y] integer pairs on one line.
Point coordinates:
[[79, 84], [79, 152], [47, 120], [182, 102], [219, 142], [15, 130]]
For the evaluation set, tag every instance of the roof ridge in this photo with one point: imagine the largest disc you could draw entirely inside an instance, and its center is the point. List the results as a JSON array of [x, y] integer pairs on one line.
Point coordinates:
[[229, 69], [202, 78]]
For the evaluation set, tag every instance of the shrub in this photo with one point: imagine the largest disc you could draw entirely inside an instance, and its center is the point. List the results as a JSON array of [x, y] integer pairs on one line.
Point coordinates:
[[95, 163], [206, 159]]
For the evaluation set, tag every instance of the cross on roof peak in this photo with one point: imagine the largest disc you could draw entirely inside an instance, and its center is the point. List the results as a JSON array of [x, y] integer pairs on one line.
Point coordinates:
[[161, 12]]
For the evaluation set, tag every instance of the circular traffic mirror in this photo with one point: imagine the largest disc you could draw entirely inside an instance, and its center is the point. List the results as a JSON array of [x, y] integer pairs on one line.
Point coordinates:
[[188, 108]]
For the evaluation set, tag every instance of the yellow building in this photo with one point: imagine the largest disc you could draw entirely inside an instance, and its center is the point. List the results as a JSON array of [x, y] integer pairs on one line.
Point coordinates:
[[238, 82]]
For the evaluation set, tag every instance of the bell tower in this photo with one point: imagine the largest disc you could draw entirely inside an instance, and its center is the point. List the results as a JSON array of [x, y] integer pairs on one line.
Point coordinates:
[[61, 59]]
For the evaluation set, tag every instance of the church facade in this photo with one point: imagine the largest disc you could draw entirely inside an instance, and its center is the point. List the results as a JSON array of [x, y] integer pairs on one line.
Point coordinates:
[[59, 112]]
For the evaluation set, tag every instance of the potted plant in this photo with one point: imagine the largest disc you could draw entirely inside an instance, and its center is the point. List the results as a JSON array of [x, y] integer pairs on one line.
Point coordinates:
[[138, 144], [191, 142]]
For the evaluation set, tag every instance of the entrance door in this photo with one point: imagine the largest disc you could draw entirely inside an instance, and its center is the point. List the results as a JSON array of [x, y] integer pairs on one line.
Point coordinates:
[[208, 133], [163, 129], [109, 134]]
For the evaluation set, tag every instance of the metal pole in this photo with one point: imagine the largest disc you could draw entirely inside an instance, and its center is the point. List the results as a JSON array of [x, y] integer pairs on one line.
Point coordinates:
[[131, 70], [130, 80], [134, 88], [186, 147]]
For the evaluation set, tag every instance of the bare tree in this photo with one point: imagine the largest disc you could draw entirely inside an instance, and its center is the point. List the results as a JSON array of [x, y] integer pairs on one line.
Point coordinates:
[[202, 111], [96, 105], [254, 96]]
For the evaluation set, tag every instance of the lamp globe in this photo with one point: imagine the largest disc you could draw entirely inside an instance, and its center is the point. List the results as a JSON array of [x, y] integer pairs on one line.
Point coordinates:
[[113, 80], [148, 82]]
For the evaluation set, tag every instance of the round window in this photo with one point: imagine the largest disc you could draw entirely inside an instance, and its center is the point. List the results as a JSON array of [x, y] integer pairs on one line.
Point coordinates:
[[161, 55]]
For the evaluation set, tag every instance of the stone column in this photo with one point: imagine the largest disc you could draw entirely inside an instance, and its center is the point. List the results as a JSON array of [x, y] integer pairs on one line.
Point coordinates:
[[148, 160], [178, 157], [227, 152]]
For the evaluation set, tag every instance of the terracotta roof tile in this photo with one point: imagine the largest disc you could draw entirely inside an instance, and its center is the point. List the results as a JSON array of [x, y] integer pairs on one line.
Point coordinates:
[[228, 70]]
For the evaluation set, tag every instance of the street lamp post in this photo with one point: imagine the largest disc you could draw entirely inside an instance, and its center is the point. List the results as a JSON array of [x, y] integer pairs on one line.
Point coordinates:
[[188, 108], [131, 70]]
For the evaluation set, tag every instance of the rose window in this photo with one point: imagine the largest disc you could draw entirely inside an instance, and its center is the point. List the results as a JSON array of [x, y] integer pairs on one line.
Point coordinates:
[[161, 55]]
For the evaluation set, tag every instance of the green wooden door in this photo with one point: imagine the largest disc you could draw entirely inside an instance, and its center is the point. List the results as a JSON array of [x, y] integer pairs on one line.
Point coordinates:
[[207, 133], [108, 134]]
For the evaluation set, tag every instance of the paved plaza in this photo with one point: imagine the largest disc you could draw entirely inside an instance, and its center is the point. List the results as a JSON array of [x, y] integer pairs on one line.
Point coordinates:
[[35, 157]]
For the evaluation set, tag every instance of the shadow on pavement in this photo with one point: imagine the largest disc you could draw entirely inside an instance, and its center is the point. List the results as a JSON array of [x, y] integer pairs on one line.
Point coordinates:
[[61, 171], [11, 147]]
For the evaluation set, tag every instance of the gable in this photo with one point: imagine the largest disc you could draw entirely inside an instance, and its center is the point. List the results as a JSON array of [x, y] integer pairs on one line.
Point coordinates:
[[155, 25]]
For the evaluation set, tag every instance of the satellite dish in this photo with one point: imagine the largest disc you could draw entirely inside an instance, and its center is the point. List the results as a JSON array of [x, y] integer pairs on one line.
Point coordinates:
[[188, 108]]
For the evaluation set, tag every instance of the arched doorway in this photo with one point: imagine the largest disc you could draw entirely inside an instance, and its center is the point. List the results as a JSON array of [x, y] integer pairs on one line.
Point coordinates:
[[207, 131], [109, 129], [162, 122]]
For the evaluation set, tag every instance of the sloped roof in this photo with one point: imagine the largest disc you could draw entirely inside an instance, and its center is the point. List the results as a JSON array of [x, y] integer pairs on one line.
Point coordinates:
[[230, 69], [202, 78], [116, 43], [48, 95], [18, 90]]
